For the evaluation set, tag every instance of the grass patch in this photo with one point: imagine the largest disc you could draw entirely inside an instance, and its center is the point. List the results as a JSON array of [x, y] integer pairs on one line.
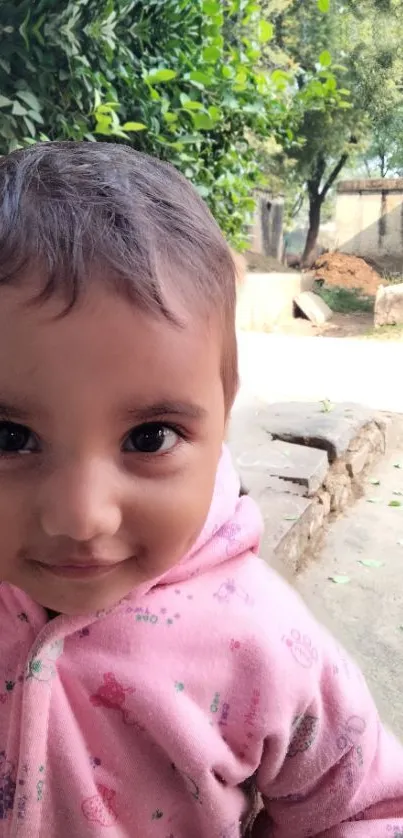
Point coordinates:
[[386, 333], [345, 300], [392, 279]]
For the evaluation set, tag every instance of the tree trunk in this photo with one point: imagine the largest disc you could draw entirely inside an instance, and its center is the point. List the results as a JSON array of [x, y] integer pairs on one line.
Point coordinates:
[[316, 199], [315, 206]]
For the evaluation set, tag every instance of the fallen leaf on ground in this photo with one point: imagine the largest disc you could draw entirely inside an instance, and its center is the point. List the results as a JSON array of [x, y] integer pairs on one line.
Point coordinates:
[[397, 465], [290, 517], [375, 482], [398, 492], [371, 563], [373, 500], [395, 503], [340, 580]]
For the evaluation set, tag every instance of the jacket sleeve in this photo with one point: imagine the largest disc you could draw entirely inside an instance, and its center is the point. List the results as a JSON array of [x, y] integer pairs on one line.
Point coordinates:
[[329, 767]]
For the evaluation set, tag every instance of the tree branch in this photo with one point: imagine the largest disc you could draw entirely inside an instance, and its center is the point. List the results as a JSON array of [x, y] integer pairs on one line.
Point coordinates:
[[297, 205], [334, 174], [313, 183]]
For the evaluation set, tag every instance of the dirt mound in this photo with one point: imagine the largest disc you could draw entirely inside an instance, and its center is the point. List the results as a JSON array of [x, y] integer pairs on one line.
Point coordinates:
[[347, 272]]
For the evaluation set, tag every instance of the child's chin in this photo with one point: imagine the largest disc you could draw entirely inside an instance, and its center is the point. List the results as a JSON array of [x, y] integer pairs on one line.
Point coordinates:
[[82, 603]]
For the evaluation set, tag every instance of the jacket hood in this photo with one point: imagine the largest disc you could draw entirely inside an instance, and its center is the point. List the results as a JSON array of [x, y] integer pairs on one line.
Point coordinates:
[[233, 527]]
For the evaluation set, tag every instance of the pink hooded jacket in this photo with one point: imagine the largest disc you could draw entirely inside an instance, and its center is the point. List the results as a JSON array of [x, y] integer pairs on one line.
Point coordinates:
[[166, 716]]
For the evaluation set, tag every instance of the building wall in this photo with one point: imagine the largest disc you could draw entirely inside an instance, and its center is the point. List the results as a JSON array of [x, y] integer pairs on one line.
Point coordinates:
[[369, 221]]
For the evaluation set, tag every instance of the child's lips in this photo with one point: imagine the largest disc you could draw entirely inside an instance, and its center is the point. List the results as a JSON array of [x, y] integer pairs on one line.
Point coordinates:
[[80, 570]]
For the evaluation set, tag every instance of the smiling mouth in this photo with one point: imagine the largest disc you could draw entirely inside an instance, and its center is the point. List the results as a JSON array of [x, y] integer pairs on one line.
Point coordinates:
[[82, 570]]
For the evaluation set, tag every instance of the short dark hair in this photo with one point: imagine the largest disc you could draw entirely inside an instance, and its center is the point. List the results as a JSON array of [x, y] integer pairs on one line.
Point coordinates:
[[76, 209]]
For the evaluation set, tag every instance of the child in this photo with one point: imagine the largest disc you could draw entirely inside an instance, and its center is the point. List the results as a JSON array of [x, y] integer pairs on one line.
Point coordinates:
[[156, 678]]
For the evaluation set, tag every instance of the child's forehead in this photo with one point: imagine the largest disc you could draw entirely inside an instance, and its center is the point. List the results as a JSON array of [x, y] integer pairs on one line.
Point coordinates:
[[104, 338]]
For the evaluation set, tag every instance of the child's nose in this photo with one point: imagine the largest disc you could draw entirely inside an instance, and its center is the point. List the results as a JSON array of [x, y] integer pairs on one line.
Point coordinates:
[[80, 502]]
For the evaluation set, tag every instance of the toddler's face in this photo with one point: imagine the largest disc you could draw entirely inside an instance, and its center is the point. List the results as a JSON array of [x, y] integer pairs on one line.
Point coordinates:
[[111, 426]]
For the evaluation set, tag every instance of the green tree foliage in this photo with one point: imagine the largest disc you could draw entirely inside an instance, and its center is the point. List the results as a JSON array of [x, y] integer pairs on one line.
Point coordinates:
[[349, 70], [375, 76], [179, 79], [326, 125]]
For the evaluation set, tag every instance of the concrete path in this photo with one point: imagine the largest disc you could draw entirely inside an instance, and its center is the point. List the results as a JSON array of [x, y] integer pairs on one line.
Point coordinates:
[[283, 368], [367, 612]]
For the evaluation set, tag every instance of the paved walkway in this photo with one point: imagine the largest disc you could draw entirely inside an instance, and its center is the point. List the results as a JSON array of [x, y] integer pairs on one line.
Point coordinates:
[[367, 612], [282, 368]]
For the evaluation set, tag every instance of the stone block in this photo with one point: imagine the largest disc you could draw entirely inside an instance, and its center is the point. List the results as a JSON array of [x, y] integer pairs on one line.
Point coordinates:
[[317, 519], [338, 485], [359, 459], [389, 305], [285, 466], [324, 500], [311, 424], [287, 521], [313, 307]]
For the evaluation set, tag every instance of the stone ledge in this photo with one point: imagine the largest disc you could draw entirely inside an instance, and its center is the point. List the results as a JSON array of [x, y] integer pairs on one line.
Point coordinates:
[[318, 468]]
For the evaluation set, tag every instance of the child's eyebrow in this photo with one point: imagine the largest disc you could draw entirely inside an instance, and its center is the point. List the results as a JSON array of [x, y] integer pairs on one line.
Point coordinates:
[[185, 410], [15, 412]]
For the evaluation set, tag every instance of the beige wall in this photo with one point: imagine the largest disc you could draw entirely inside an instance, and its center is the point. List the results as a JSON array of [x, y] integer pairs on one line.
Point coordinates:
[[265, 300], [369, 221]]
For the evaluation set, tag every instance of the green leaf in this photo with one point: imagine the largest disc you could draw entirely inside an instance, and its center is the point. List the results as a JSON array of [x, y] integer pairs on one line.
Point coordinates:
[[4, 101], [169, 117], [290, 517], [134, 126], [192, 105], [30, 99], [395, 503], [201, 78], [158, 76], [265, 31], [215, 113], [325, 58], [211, 54], [202, 121], [18, 109], [371, 563], [375, 482], [36, 117], [324, 6], [210, 7], [203, 191], [30, 125], [106, 109], [340, 580]]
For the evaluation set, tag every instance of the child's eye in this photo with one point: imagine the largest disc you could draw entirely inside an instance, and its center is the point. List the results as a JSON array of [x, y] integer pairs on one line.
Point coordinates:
[[152, 438], [16, 439]]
